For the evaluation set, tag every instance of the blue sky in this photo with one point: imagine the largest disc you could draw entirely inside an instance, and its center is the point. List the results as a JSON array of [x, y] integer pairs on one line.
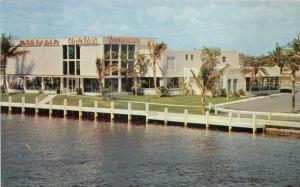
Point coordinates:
[[252, 27]]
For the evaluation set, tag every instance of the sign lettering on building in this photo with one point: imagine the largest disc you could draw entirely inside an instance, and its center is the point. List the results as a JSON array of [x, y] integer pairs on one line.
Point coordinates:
[[87, 40], [122, 40], [39, 42]]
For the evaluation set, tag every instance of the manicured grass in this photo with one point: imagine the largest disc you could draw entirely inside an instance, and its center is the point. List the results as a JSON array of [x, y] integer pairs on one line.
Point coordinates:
[[29, 97], [120, 102]]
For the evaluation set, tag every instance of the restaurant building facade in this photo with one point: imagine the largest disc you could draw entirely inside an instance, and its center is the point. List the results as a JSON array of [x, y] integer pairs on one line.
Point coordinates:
[[65, 65]]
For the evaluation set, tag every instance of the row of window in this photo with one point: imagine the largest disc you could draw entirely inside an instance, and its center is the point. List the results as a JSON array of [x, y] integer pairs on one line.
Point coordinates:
[[187, 57], [111, 51], [71, 67], [71, 52]]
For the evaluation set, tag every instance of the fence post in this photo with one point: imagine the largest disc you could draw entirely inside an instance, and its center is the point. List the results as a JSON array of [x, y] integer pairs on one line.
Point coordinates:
[[129, 111], [50, 108], [216, 110], [112, 106], [239, 114], [95, 110], [36, 105], [166, 116], [254, 123], [65, 107], [147, 112], [229, 121], [23, 104], [185, 118], [206, 119], [9, 104], [80, 108]]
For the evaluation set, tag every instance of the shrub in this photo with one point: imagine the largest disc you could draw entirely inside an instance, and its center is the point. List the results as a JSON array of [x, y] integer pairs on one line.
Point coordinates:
[[241, 92], [78, 91], [236, 94], [163, 91], [223, 92]]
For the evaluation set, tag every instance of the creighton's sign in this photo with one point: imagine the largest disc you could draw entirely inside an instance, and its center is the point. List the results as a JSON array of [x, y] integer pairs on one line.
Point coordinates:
[[39, 42], [87, 40], [122, 40]]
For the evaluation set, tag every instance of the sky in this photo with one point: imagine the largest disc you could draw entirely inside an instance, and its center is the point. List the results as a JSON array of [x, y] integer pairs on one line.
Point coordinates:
[[251, 27]]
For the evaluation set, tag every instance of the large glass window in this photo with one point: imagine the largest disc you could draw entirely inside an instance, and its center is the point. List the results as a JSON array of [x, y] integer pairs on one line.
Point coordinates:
[[91, 85], [77, 52], [124, 50], [106, 51], [65, 51], [114, 69], [77, 67], [127, 83], [130, 51], [51, 83], [65, 67], [71, 51], [34, 83], [71, 67], [115, 51]]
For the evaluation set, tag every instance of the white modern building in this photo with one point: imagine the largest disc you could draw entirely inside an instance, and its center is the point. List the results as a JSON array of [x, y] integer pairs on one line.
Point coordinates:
[[67, 64]]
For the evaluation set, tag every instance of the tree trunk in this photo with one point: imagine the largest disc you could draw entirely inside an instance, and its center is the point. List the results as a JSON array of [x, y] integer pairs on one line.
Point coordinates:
[[293, 76], [154, 77], [135, 86], [102, 89], [4, 79], [203, 101]]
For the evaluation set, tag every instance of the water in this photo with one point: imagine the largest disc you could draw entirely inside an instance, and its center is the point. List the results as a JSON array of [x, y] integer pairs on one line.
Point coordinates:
[[38, 151]]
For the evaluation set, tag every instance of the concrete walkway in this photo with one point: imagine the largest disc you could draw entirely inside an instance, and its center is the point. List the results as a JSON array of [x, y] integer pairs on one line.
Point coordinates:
[[47, 99]]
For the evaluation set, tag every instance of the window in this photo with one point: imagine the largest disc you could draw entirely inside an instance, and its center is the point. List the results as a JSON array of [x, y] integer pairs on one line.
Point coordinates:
[[224, 59], [106, 51], [78, 68], [71, 68], [130, 51], [124, 50], [71, 51], [186, 57], [170, 65], [114, 71], [65, 67], [77, 52], [115, 51], [91, 85], [65, 51], [192, 57]]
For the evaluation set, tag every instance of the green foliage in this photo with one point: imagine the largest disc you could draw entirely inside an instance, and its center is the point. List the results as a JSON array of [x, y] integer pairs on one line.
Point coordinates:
[[163, 91], [78, 91], [241, 92]]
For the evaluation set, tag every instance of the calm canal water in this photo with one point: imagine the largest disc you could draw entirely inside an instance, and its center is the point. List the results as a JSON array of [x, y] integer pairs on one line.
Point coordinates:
[[38, 151]]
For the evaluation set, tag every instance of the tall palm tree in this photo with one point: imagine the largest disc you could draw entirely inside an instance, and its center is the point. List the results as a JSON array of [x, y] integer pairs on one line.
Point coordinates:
[[288, 59], [255, 66], [208, 75], [293, 65], [8, 50], [156, 50], [103, 70]]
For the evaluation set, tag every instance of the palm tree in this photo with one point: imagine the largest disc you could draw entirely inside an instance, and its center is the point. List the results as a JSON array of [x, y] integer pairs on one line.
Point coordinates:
[[255, 66], [103, 70], [293, 65], [8, 50], [156, 50], [208, 75], [288, 59]]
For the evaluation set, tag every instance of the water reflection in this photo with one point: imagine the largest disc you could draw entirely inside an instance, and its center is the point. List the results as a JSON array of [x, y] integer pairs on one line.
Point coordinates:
[[67, 152]]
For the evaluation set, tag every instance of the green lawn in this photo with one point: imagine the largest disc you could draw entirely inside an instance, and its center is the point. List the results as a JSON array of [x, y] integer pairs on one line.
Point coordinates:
[[120, 102], [29, 97]]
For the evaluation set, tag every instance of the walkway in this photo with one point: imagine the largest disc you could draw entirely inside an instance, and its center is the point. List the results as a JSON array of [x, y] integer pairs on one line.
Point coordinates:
[[47, 99]]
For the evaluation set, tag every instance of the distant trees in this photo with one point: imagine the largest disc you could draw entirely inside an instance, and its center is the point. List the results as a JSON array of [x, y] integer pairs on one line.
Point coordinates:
[[208, 74], [8, 50]]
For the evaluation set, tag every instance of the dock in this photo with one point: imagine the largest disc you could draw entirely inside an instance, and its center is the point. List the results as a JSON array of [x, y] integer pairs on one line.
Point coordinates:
[[232, 119]]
